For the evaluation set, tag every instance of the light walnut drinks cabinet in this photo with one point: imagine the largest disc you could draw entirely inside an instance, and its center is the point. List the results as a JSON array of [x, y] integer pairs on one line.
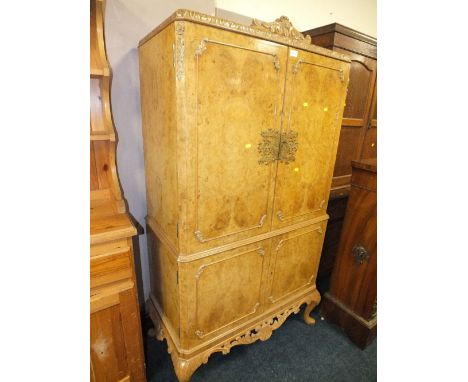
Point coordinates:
[[240, 126]]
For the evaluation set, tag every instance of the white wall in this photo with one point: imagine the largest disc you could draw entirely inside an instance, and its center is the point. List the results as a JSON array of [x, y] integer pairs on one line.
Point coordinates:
[[307, 14], [126, 22]]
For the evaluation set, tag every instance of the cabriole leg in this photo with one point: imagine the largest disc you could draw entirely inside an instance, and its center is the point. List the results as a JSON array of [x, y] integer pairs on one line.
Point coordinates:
[[314, 301]]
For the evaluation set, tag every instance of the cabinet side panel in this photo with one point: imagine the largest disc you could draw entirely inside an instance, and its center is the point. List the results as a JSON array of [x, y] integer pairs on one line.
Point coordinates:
[[164, 281], [157, 89]]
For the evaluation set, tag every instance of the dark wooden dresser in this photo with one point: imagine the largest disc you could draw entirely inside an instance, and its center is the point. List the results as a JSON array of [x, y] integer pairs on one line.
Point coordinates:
[[351, 301], [358, 137]]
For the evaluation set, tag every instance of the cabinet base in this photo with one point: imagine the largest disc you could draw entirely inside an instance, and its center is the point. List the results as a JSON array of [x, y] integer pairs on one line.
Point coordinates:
[[359, 330], [185, 365]]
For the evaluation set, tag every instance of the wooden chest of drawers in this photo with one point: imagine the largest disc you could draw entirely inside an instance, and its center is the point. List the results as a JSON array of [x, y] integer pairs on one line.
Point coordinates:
[[351, 301], [240, 126]]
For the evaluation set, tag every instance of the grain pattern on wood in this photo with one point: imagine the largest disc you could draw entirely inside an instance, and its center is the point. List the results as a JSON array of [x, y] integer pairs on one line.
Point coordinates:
[[358, 138], [351, 300], [314, 100], [115, 331], [240, 130]]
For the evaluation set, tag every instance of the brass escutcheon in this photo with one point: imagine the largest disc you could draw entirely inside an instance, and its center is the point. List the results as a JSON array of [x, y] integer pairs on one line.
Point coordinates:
[[360, 254], [278, 146], [268, 148], [288, 147]]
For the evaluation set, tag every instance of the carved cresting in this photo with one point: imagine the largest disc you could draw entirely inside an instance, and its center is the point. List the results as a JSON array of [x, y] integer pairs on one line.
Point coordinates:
[[281, 26]]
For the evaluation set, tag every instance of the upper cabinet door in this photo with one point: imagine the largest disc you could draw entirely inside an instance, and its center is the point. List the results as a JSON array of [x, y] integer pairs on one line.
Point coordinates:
[[234, 87], [313, 109]]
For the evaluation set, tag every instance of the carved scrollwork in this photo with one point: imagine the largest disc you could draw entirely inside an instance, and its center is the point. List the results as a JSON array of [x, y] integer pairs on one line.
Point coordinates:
[[281, 26], [185, 367], [261, 331], [201, 47], [179, 51], [199, 236], [280, 215], [295, 68], [200, 271], [341, 76], [257, 31], [276, 62]]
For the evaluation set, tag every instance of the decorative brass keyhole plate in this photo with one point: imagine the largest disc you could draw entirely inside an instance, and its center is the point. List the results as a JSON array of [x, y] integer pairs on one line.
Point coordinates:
[[268, 148], [288, 147], [278, 146]]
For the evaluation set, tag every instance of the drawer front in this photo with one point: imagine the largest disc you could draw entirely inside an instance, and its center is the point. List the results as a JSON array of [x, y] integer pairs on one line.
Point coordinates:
[[109, 268], [295, 257], [224, 290]]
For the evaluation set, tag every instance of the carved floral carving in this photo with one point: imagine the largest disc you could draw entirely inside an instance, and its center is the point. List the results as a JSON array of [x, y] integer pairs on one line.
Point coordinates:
[[179, 51], [262, 331], [283, 27]]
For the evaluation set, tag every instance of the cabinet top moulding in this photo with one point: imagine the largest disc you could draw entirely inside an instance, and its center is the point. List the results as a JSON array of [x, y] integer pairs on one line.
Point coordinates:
[[289, 36], [368, 49]]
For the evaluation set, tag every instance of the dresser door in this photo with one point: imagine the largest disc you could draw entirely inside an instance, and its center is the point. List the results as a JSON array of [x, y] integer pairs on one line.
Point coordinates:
[[234, 87], [369, 146], [295, 257], [362, 78], [314, 100], [115, 334]]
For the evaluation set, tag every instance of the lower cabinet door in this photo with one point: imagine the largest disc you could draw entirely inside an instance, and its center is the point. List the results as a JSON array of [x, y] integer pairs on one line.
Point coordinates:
[[224, 290], [115, 337], [295, 257]]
